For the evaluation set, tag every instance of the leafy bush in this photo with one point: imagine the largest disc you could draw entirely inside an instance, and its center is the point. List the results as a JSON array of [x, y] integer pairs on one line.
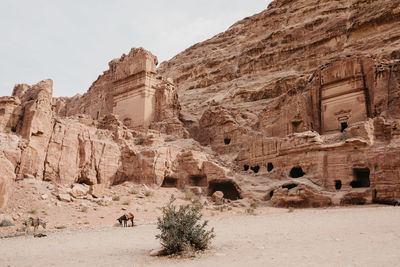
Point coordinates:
[[181, 228], [190, 196], [148, 193], [6, 223]]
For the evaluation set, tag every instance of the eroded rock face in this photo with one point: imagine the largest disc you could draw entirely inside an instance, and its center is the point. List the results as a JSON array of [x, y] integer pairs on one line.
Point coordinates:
[[300, 86], [304, 90], [36, 127], [7, 177]]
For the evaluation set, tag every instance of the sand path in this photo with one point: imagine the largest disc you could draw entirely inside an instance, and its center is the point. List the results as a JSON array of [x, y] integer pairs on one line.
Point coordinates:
[[366, 236]]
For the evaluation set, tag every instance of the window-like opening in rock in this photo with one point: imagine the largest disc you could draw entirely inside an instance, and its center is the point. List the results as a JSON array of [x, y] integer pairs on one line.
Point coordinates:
[[289, 186], [38, 133], [84, 180], [338, 184], [227, 141], [97, 116], [255, 169], [271, 193], [228, 188], [13, 129], [246, 167], [170, 182], [343, 126], [374, 194], [270, 166], [296, 172], [361, 178], [198, 180], [297, 126]]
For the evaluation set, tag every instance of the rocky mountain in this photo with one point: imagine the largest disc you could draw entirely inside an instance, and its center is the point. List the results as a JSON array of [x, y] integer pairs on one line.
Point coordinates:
[[298, 105]]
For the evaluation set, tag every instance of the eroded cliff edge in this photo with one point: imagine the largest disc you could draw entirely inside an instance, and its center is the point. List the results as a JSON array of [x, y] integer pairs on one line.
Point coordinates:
[[298, 105]]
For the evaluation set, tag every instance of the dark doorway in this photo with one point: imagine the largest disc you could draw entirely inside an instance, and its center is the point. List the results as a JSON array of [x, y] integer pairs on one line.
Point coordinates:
[[228, 188], [270, 166], [84, 180], [271, 193], [246, 167], [296, 172], [361, 178], [198, 180], [297, 126], [338, 184], [170, 182], [343, 126], [289, 186], [255, 169], [227, 141]]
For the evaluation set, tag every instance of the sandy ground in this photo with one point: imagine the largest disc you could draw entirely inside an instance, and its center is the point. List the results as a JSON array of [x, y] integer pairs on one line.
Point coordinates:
[[354, 236], [26, 201]]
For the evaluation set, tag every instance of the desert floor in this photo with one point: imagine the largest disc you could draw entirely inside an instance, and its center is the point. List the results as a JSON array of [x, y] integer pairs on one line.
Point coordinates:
[[352, 236]]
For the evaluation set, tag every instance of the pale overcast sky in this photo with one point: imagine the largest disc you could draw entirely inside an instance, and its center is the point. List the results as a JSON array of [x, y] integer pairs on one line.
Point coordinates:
[[72, 41]]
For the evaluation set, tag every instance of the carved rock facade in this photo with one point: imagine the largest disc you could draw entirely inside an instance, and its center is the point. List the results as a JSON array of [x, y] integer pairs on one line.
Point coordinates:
[[299, 105]]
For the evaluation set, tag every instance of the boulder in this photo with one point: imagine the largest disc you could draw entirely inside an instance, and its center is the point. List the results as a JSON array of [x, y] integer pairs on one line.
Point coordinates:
[[157, 252], [79, 190], [64, 197], [97, 190], [217, 196]]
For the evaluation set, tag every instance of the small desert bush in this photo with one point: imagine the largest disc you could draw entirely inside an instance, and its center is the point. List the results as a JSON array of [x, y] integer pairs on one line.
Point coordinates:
[[126, 202], [189, 195], [33, 211], [59, 227], [222, 208], [6, 223], [134, 191], [219, 202], [84, 209], [253, 205], [148, 193], [181, 228], [116, 198], [250, 211], [290, 209]]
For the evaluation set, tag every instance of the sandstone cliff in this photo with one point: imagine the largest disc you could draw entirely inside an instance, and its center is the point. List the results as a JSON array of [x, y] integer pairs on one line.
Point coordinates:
[[299, 104]]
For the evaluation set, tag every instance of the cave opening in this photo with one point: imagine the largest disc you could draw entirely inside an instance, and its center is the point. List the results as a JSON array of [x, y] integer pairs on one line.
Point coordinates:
[[84, 180], [289, 186], [270, 166], [246, 167], [255, 169], [271, 193], [228, 188], [198, 180], [296, 172], [338, 184], [343, 126], [227, 141], [169, 182], [361, 178]]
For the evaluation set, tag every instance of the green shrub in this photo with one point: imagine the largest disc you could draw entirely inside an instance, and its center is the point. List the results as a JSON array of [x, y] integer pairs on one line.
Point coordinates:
[[190, 196], [181, 228], [148, 193], [253, 205], [6, 223]]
